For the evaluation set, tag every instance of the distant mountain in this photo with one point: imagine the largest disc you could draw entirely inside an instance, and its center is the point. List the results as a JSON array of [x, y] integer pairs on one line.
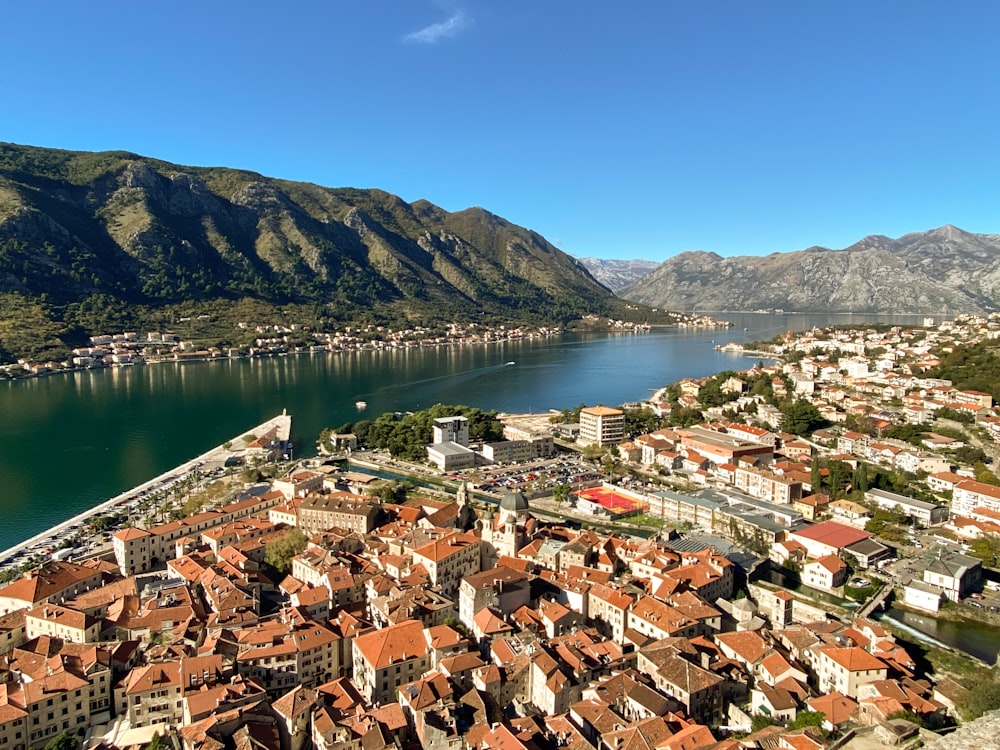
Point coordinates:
[[944, 270], [115, 231], [618, 274]]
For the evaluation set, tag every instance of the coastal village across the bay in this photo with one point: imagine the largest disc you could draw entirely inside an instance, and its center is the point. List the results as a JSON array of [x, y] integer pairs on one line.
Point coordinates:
[[713, 582]]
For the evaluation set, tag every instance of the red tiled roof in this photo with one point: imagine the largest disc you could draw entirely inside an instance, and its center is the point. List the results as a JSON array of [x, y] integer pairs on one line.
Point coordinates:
[[402, 642], [835, 534]]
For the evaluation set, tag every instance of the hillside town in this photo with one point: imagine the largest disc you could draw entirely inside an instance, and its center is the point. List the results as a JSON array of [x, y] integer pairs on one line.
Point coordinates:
[[257, 339], [525, 610]]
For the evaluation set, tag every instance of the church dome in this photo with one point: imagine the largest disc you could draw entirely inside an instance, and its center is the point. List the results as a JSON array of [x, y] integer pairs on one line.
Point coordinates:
[[513, 501]]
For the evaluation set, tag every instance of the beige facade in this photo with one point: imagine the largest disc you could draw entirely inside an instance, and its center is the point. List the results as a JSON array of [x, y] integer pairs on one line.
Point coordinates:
[[55, 582], [140, 550], [59, 622], [449, 560], [846, 669], [281, 655], [601, 425], [342, 510], [388, 658]]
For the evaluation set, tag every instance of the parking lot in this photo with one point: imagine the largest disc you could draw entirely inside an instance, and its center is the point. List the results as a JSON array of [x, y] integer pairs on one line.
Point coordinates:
[[539, 476]]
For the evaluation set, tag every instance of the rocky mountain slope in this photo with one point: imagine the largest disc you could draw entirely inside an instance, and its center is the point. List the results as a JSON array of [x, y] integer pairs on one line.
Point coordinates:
[[114, 228], [944, 270], [618, 274]]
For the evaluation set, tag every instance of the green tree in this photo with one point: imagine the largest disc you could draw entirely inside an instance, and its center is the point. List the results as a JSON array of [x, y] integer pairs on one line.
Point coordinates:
[[839, 471], [815, 478], [560, 493], [985, 698], [395, 491], [860, 479], [641, 421], [984, 475], [280, 552], [987, 549], [969, 454], [681, 416], [760, 721], [65, 740], [800, 417], [808, 719]]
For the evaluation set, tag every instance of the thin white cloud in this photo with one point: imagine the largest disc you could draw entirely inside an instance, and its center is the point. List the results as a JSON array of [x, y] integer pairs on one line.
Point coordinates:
[[451, 26]]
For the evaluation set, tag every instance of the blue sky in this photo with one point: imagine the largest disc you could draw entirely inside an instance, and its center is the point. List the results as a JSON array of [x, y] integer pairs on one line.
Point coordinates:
[[629, 130]]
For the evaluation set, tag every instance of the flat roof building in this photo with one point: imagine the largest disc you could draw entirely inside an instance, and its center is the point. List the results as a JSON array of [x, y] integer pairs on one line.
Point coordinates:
[[601, 425]]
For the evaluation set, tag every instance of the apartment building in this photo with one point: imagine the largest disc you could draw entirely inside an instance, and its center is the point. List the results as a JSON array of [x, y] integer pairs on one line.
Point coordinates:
[[280, 654], [342, 510], [155, 693], [53, 583], [845, 669], [140, 550], [601, 426], [449, 560], [390, 657]]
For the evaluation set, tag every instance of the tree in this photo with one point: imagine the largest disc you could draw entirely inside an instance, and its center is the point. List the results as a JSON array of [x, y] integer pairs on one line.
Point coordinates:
[[985, 698], [760, 721], [984, 475], [280, 552], [683, 416], [801, 417], [987, 549], [158, 743], [860, 479], [395, 491], [815, 478], [560, 493], [969, 454], [641, 421], [65, 740], [839, 471], [808, 719]]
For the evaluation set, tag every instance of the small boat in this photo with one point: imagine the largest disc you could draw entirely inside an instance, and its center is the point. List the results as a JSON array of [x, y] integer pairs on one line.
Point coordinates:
[[361, 404], [510, 363]]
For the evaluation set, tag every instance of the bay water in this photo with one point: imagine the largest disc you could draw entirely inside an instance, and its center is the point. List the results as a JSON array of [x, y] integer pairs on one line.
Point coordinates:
[[70, 441]]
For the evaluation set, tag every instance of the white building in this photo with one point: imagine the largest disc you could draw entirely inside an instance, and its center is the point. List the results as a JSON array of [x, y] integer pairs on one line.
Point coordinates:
[[601, 425]]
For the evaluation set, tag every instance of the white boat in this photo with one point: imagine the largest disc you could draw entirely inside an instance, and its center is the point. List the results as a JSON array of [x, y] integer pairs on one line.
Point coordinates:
[[510, 363], [361, 404]]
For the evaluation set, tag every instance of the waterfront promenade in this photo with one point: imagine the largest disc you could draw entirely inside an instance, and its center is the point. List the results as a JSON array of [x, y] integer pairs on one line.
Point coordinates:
[[217, 456]]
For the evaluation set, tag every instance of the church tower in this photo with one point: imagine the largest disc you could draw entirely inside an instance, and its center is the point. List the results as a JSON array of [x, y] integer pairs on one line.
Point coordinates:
[[504, 532]]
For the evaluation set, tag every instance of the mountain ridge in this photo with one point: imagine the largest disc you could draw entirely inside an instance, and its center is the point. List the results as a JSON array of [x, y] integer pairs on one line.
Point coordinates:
[[940, 270], [115, 229]]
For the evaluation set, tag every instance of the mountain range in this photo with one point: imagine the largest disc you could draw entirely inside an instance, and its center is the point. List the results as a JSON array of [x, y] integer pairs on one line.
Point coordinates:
[[941, 271], [618, 274], [115, 231]]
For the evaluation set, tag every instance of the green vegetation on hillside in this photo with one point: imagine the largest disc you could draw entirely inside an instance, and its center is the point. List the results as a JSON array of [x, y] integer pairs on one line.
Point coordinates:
[[101, 242], [974, 367]]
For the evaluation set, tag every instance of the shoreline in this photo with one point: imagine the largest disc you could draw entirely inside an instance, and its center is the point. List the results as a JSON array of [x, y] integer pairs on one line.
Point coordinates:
[[687, 320], [281, 422]]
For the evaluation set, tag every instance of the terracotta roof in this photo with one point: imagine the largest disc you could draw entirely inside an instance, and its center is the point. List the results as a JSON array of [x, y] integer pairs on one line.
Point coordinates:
[[442, 549], [747, 645], [837, 707], [852, 659], [396, 643], [834, 534], [831, 562]]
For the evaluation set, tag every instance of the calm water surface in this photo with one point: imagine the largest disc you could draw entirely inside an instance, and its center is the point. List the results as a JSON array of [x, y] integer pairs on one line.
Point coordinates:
[[978, 639], [68, 442]]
